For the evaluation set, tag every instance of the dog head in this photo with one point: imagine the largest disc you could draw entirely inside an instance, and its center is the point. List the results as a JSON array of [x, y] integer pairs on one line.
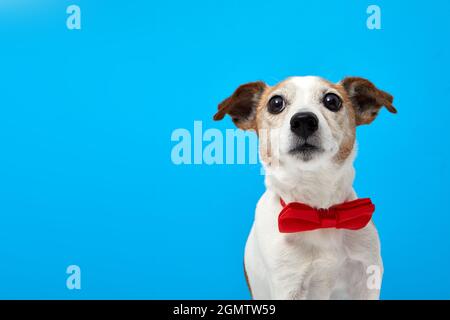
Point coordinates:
[[305, 121]]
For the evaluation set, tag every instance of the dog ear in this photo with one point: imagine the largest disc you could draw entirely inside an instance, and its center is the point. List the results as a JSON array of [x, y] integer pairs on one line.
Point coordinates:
[[367, 99], [241, 105]]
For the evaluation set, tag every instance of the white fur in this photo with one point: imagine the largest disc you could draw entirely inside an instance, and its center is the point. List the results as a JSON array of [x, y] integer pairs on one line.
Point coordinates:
[[321, 264]]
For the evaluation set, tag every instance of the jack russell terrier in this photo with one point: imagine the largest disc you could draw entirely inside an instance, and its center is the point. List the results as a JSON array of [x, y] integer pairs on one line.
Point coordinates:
[[311, 237]]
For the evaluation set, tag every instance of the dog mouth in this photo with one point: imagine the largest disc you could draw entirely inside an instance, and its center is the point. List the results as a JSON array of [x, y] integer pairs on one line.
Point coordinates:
[[305, 150]]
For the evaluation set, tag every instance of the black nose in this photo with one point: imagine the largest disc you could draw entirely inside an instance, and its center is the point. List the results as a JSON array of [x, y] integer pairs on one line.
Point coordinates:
[[304, 124]]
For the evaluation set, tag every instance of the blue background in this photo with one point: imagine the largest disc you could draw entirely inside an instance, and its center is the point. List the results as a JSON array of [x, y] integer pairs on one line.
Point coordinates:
[[86, 118]]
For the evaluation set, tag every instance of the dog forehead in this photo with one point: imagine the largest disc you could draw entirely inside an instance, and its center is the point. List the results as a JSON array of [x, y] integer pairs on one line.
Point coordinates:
[[307, 83], [302, 86]]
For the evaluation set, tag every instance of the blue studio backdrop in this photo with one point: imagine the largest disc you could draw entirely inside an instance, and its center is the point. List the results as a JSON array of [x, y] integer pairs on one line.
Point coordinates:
[[87, 116]]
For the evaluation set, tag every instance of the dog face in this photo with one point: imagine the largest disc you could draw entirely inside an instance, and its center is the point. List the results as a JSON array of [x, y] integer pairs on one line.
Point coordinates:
[[305, 121]]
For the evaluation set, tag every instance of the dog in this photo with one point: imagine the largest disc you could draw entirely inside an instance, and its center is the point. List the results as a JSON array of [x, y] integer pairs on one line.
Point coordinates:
[[306, 128]]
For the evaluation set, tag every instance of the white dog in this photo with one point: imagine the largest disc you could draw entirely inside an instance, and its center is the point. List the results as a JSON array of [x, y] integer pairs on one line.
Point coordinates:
[[306, 127]]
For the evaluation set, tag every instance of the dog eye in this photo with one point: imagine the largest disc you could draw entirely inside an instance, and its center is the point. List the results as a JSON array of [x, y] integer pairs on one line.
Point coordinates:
[[332, 102], [276, 104]]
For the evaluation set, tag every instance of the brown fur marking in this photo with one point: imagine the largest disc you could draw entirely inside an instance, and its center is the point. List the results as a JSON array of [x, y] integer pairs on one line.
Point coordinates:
[[248, 283], [367, 99], [241, 105]]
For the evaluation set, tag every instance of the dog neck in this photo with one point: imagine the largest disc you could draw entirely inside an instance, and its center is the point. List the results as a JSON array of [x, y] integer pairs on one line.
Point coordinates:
[[321, 186]]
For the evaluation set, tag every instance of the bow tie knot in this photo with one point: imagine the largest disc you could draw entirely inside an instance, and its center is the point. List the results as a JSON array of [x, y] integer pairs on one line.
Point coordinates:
[[298, 217], [327, 217]]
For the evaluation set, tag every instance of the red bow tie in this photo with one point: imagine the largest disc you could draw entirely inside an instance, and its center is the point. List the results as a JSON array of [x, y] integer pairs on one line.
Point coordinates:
[[298, 217]]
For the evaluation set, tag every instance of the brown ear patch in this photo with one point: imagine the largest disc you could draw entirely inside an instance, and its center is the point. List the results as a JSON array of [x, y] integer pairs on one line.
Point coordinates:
[[367, 99], [241, 105]]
